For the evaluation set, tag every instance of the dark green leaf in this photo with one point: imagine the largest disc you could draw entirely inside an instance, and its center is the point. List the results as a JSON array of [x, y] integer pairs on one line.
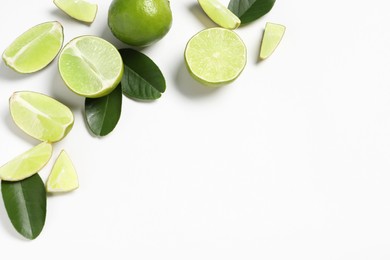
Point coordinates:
[[250, 10], [142, 79], [25, 202], [102, 114]]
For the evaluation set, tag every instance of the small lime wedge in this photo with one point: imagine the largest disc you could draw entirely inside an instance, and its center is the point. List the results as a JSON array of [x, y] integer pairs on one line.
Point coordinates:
[[63, 176], [40, 116], [90, 66], [78, 9], [215, 56], [220, 14], [35, 48], [27, 163], [273, 34]]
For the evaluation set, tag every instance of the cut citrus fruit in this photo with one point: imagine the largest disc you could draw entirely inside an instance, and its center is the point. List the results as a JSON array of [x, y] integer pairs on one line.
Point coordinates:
[[78, 9], [40, 116], [90, 66], [273, 34], [220, 14], [27, 163], [215, 56], [63, 176], [35, 48]]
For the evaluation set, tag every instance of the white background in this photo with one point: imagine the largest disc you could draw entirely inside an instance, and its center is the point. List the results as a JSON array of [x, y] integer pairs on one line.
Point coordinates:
[[291, 161]]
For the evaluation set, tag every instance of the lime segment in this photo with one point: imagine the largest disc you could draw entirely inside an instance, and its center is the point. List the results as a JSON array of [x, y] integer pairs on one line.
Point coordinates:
[[273, 34], [90, 66], [63, 176], [26, 164], [215, 56], [35, 48], [41, 116], [220, 14], [78, 9]]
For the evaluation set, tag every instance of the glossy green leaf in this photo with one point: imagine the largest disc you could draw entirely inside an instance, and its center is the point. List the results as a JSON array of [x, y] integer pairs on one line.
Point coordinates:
[[142, 79], [250, 10], [102, 114], [25, 202]]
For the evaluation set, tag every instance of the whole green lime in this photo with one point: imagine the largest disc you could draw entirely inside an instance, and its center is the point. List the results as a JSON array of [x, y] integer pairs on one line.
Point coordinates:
[[139, 22]]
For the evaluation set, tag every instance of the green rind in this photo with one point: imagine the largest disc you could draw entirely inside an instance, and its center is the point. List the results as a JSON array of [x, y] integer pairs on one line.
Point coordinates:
[[139, 22], [62, 166], [80, 10], [73, 70], [193, 53], [42, 119], [32, 54], [219, 14], [22, 166], [273, 35]]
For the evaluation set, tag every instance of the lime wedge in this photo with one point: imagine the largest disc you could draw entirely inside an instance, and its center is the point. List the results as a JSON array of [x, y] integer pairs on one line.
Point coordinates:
[[215, 56], [78, 9], [90, 66], [26, 164], [273, 34], [220, 14], [63, 176], [35, 48], [40, 116]]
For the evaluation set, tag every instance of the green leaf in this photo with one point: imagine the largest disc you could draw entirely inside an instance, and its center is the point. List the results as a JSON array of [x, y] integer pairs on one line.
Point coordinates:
[[25, 202], [142, 79], [250, 10], [102, 114]]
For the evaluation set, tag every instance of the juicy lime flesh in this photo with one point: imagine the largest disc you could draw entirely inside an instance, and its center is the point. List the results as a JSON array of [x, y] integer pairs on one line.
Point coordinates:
[[41, 116], [273, 34], [27, 163], [220, 14], [139, 22], [78, 9], [35, 49], [63, 176], [215, 55], [90, 66]]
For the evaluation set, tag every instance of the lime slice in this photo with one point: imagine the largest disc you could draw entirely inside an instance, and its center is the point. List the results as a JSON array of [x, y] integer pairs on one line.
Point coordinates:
[[215, 56], [26, 164], [63, 176], [40, 116], [220, 14], [78, 9], [273, 34], [35, 49], [90, 66]]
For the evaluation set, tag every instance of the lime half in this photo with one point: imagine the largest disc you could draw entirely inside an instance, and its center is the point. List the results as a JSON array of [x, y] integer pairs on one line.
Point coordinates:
[[35, 48], [26, 164], [63, 176], [40, 116], [273, 34], [90, 66], [215, 56], [220, 14], [78, 9]]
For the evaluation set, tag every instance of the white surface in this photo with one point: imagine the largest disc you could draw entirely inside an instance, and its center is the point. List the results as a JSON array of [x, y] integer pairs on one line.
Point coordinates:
[[291, 161]]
